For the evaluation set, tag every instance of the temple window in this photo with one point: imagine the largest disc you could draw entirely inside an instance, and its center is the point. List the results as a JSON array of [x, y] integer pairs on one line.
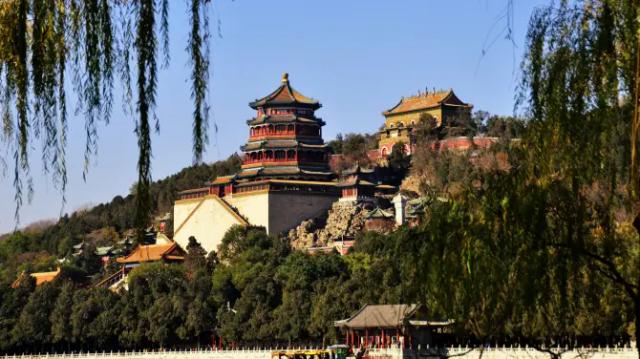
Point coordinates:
[[291, 154], [280, 155], [290, 128]]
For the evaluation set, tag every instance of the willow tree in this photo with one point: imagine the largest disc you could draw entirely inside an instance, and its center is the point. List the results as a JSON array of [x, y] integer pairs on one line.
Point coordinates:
[[543, 241], [580, 89], [50, 49]]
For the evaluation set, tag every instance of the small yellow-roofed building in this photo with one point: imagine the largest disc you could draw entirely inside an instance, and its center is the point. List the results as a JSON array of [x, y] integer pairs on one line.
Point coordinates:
[[164, 250], [167, 252], [40, 277], [401, 119]]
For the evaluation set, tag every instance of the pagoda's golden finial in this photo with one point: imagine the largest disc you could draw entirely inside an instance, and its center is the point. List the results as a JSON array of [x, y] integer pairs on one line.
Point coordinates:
[[285, 77]]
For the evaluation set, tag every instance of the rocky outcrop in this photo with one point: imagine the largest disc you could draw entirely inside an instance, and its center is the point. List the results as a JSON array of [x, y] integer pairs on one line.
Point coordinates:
[[343, 220]]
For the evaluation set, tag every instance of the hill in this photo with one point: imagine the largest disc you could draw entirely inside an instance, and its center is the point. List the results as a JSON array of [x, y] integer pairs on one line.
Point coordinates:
[[37, 247]]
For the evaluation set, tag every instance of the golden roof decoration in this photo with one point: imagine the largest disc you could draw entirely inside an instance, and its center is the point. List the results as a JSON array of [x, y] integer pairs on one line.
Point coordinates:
[[285, 95], [425, 101]]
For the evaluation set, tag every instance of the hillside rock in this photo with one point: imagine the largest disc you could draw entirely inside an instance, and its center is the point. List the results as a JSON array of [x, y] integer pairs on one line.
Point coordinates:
[[344, 219]]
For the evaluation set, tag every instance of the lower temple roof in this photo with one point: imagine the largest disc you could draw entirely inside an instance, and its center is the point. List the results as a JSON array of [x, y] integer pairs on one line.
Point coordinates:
[[288, 171]]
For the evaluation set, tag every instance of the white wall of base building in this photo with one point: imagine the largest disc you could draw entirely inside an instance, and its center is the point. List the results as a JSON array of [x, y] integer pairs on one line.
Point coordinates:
[[204, 218], [209, 218]]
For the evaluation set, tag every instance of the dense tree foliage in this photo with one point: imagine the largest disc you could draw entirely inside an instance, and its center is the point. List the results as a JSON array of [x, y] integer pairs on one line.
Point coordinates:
[[261, 291], [353, 149], [580, 83]]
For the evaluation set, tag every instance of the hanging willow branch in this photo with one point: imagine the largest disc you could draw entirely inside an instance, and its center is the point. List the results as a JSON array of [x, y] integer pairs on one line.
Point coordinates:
[[199, 76], [40, 38]]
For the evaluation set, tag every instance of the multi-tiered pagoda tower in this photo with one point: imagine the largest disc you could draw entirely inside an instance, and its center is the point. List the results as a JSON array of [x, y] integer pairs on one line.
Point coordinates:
[[285, 138], [285, 176]]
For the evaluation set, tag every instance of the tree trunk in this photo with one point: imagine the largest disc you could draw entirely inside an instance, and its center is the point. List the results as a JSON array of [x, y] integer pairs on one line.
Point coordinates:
[[637, 331], [636, 298]]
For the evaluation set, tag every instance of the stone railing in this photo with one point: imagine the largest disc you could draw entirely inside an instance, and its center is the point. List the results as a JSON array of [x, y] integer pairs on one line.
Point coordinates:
[[159, 354], [505, 353], [386, 353]]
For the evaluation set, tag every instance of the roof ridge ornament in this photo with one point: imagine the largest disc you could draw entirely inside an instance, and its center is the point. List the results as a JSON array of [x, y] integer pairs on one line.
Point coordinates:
[[285, 78]]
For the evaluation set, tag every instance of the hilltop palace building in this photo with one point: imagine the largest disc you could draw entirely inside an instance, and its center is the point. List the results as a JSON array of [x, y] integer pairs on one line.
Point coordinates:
[[285, 176], [400, 121]]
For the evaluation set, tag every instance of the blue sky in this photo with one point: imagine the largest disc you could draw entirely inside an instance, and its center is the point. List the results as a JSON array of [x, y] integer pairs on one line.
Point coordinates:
[[357, 57]]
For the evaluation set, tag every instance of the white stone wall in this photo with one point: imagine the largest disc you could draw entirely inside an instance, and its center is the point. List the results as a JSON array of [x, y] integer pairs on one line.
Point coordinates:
[[392, 353], [253, 206], [209, 218], [288, 210], [206, 218], [503, 353], [178, 354]]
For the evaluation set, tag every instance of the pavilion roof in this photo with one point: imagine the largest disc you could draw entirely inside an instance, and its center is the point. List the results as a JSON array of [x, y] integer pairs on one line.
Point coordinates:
[[416, 207], [280, 170], [285, 95], [40, 277], [43, 277], [379, 213], [103, 251], [194, 190], [281, 144], [287, 171], [269, 144], [153, 253], [290, 181], [223, 179], [425, 101], [379, 316], [284, 119], [356, 181]]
